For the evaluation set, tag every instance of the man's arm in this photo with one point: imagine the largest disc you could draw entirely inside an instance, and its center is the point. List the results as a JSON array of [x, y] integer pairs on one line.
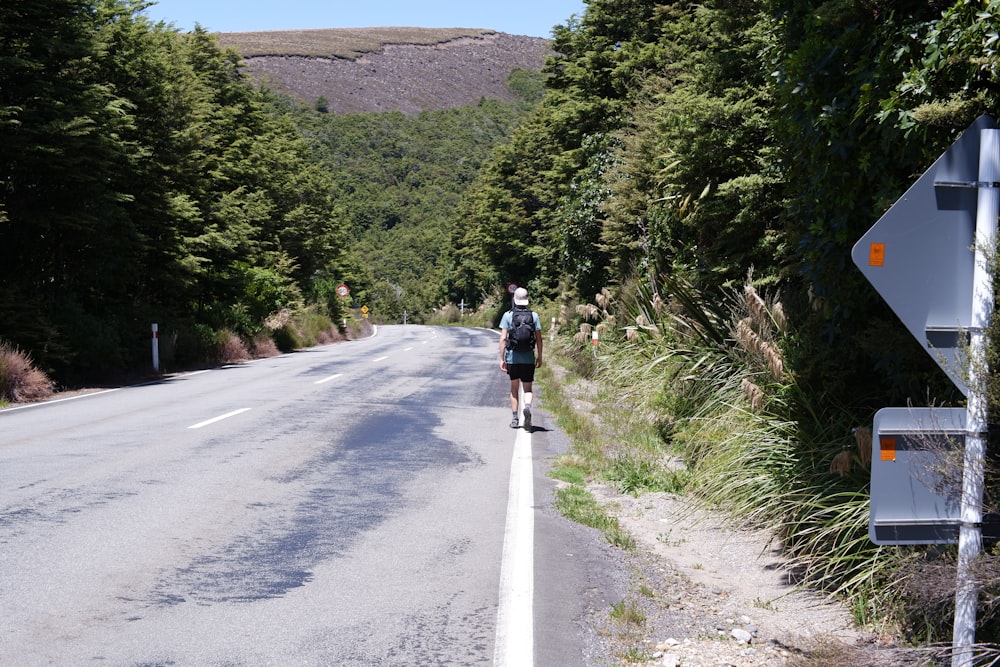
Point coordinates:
[[503, 347], [538, 345]]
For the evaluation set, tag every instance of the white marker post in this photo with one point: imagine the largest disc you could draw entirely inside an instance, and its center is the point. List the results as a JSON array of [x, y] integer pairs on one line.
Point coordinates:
[[970, 537], [156, 347]]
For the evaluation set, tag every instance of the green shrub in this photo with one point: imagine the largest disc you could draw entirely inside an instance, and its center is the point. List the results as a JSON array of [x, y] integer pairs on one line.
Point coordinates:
[[286, 338], [637, 473], [314, 327]]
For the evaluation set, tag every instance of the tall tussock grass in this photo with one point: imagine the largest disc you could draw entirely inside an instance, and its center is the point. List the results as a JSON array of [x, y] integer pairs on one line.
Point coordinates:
[[20, 380], [709, 372]]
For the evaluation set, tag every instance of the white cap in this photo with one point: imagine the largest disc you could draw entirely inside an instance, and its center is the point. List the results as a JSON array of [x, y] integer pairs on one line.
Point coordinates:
[[520, 297]]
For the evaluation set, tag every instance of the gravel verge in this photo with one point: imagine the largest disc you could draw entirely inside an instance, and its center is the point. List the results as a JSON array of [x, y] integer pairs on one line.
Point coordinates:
[[711, 594]]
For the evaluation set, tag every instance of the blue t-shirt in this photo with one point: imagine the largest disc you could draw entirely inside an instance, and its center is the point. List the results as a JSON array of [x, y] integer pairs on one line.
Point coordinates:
[[515, 356]]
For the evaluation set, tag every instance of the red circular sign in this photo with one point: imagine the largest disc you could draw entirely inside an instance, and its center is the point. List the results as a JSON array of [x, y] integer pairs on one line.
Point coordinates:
[[511, 287], [342, 290]]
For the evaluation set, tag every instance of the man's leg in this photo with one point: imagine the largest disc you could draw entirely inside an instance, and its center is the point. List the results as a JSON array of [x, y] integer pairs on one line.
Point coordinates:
[[527, 405], [515, 386]]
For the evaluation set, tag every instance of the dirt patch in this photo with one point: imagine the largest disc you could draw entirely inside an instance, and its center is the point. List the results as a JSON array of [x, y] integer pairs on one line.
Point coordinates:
[[732, 585]]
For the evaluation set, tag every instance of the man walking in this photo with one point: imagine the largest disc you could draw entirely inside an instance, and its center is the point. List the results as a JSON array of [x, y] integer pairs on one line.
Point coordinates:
[[520, 352]]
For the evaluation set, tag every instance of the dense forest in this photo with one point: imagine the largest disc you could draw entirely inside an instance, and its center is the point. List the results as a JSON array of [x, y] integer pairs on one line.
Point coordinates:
[[690, 181], [148, 179]]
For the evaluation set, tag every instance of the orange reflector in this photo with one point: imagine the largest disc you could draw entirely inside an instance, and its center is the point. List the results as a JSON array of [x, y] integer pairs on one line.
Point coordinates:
[[876, 254], [887, 447]]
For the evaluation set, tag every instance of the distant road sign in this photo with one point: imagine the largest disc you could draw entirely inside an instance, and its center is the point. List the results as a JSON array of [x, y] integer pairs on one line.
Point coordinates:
[[342, 290], [511, 288], [920, 257]]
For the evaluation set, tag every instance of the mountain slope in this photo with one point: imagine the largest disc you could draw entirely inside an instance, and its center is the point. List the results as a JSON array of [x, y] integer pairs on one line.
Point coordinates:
[[388, 69]]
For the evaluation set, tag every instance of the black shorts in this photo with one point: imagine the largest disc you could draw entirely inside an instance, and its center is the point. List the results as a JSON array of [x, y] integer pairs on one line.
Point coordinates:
[[522, 372]]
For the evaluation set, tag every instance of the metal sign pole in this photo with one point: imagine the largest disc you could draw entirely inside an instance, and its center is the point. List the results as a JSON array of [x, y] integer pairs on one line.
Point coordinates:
[[970, 540], [156, 347]]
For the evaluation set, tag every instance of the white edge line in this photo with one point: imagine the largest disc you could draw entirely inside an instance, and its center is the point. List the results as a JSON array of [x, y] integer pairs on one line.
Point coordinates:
[[327, 379], [58, 400], [219, 418], [94, 393], [515, 641], [380, 359]]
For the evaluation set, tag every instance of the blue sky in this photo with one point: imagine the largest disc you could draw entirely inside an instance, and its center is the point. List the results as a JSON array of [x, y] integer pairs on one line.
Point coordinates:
[[517, 17]]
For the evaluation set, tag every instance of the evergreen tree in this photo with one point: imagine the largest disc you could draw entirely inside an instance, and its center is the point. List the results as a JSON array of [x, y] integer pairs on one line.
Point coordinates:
[[66, 241], [834, 64]]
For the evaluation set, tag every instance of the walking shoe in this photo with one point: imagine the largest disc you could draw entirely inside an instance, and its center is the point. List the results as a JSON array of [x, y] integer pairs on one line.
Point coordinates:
[[513, 423], [527, 417]]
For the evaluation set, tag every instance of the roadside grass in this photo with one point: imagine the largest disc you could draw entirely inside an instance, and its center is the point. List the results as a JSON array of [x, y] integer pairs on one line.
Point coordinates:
[[587, 459], [695, 399], [633, 460], [567, 472], [638, 471], [631, 622], [578, 504]]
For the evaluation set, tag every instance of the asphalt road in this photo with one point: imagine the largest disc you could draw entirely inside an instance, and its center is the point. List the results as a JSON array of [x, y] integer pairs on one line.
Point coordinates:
[[354, 504]]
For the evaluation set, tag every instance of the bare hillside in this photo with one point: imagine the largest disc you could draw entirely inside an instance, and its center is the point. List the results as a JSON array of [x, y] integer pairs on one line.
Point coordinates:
[[385, 69]]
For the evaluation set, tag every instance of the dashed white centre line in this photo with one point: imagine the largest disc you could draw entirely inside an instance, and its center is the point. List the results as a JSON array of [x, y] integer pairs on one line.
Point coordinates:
[[327, 379], [380, 359], [219, 418]]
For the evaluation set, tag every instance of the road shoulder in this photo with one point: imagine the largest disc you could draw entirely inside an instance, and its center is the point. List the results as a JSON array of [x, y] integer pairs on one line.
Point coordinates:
[[710, 591]]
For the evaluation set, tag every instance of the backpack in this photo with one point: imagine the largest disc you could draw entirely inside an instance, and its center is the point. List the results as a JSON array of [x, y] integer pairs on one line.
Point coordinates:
[[521, 336]]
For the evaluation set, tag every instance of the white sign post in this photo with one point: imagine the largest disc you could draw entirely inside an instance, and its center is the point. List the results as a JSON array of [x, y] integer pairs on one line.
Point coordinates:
[[156, 347], [970, 537]]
